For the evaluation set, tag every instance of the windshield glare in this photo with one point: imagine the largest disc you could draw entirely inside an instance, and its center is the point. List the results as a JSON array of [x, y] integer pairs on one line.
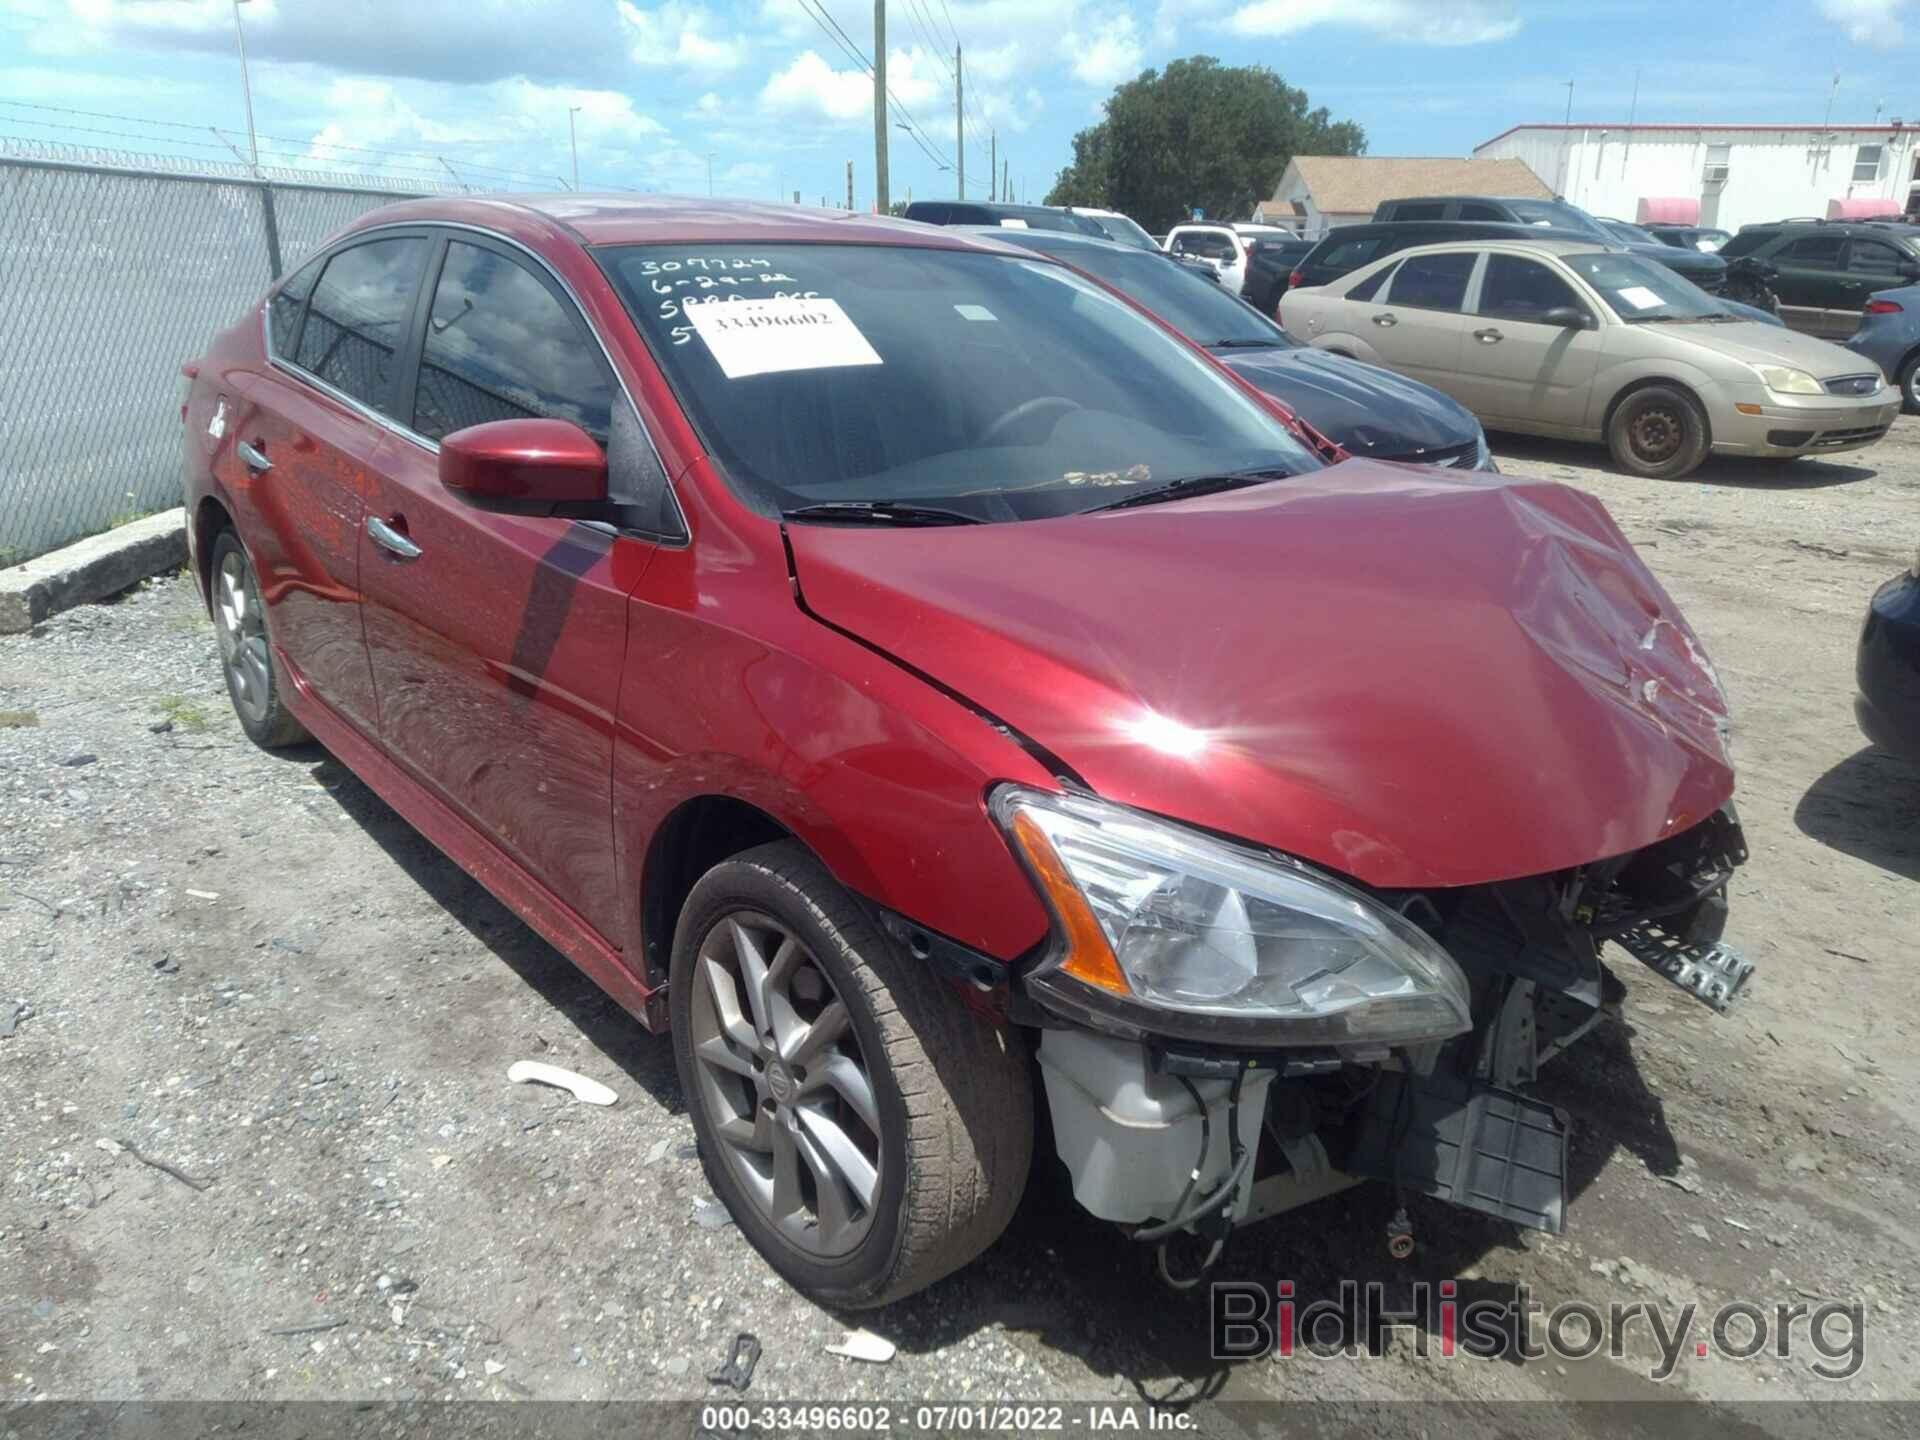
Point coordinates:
[[1002, 388], [1120, 228], [1639, 290], [1194, 305], [1558, 214]]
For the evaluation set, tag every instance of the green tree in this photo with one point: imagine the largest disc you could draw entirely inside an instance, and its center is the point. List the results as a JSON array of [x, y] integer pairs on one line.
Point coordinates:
[[1198, 134]]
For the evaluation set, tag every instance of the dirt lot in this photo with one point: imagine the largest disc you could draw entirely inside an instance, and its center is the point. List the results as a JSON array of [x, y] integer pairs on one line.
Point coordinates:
[[247, 967]]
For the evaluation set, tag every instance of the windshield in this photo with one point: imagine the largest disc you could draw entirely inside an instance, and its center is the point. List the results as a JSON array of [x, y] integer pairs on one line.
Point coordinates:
[[1119, 227], [1556, 213], [1631, 234], [1640, 290], [1194, 305], [995, 387]]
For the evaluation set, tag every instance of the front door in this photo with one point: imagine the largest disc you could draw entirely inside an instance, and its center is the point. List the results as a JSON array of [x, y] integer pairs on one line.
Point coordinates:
[[1813, 285], [1418, 327], [497, 641], [1516, 370]]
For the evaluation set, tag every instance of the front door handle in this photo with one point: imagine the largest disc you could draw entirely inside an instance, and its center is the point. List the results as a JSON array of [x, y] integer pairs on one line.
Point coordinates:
[[1488, 336], [390, 539], [255, 460], [1385, 320]]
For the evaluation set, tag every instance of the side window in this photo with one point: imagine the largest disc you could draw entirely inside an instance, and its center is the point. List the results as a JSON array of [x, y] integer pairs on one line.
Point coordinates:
[[358, 313], [1870, 257], [1474, 210], [1819, 252], [285, 308], [1352, 254], [1420, 210], [1433, 282], [1516, 289], [501, 346], [1369, 287]]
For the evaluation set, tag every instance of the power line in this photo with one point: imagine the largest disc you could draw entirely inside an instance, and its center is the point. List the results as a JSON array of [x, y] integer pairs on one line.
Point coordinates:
[[817, 12]]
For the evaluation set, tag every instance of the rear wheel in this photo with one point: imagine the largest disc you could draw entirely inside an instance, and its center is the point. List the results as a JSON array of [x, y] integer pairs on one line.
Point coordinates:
[[1910, 384], [254, 682], [867, 1133], [1659, 432]]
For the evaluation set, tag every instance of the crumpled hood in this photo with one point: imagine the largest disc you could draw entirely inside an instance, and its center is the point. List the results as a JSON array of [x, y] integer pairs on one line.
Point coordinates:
[[1415, 677], [1367, 410], [1682, 260]]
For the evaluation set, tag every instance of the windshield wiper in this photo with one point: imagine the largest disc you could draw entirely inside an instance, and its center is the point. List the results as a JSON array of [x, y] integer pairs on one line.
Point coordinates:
[[1661, 319], [1243, 344], [880, 512], [1194, 485]]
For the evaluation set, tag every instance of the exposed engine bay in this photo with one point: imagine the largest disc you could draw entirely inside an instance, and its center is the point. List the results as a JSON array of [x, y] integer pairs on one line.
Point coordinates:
[[1171, 1137]]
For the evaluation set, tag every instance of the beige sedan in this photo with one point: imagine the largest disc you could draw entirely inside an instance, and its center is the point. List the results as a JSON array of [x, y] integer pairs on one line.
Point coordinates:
[[1570, 339]]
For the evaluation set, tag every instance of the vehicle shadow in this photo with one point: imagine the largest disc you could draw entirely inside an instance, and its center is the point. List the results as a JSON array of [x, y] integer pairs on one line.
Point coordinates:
[[1729, 470], [646, 1058], [1084, 1290], [1866, 807]]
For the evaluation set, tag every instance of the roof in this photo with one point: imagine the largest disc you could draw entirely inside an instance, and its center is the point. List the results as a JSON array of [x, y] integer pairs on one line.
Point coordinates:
[[1569, 246], [1355, 184], [1886, 127]]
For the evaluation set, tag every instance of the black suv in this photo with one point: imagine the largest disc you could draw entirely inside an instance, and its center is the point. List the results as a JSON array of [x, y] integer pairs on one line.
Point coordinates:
[[1270, 260], [981, 212], [1707, 271], [1825, 270], [1351, 246]]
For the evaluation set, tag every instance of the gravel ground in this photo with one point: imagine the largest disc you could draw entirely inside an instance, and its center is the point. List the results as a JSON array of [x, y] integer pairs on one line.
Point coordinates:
[[244, 966]]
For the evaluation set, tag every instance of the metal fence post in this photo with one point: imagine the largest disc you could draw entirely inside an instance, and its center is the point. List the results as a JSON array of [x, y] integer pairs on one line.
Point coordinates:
[[274, 268]]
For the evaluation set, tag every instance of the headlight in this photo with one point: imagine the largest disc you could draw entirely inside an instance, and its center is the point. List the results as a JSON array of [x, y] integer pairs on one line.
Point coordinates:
[[1785, 380], [1163, 931]]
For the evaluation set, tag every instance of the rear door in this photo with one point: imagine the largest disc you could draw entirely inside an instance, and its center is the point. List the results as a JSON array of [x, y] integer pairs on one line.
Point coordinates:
[[1812, 283], [497, 641], [1419, 326], [1515, 370], [302, 439]]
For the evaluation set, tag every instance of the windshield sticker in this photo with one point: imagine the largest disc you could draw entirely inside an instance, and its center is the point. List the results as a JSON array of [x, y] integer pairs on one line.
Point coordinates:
[[975, 312], [1011, 224], [1640, 297], [765, 337]]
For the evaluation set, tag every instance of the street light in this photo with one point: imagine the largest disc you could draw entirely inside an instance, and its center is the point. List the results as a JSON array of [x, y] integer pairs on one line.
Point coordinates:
[[246, 88], [710, 172], [573, 143]]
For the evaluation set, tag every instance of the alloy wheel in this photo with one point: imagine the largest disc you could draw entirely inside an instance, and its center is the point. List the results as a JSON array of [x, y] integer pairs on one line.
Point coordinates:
[[241, 625], [784, 1084]]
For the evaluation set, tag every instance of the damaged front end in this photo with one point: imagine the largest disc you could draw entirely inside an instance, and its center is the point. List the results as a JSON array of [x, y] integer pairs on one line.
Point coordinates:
[[1227, 1033]]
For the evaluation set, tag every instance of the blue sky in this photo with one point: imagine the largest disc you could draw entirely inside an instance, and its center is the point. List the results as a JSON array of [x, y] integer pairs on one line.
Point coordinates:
[[766, 94]]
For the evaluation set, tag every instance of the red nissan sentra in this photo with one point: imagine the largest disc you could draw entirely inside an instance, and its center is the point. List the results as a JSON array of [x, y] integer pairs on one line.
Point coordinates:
[[934, 690]]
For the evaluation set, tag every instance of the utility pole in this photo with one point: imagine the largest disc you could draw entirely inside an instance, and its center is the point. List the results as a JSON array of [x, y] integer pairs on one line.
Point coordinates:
[[246, 86], [1006, 181], [1569, 102], [573, 143], [849, 185], [880, 204], [960, 121], [993, 159], [709, 172]]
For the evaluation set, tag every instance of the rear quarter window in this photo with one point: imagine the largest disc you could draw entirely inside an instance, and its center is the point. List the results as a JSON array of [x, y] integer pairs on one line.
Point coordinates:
[[286, 307], [1352, 254], [357, 316]]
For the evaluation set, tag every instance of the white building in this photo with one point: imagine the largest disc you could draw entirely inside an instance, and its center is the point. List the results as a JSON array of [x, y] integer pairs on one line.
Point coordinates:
[[1723, 175]]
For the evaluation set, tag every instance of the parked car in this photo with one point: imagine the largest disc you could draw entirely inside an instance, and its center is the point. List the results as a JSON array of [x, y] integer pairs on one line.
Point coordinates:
[[1346, 248], [916, 678], [996, 212], [1220, 246], [1889, 335], [1825, 271], [1270, 262], [1706, 270], [1560, 338], [1690, 237], [1363, 409], [1116, 227], [1888, 667]]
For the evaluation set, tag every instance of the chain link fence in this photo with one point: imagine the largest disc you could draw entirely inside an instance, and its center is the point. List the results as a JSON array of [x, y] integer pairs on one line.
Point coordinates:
[[113, 273]]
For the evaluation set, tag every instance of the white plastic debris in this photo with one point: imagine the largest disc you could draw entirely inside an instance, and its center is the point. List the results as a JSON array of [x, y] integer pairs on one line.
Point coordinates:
[[203, 894], [864, 1345], [494, 1367], [589, 1092], [710, 1214]]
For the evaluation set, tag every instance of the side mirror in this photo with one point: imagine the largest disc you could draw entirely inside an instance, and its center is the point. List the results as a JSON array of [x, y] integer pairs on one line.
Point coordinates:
[[1568, 317], [524, 467]]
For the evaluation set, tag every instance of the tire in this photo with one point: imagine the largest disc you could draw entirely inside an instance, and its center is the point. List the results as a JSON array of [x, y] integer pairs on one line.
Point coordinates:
[[951, 1095], [1659, 433], [1910, 384], [255, 683]]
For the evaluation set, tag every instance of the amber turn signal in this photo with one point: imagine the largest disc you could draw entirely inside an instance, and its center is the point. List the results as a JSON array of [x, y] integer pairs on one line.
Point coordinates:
[[1746, 409], [1089, 958]]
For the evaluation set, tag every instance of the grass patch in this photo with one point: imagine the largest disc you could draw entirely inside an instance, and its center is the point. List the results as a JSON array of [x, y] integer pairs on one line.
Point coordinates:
[[19, 719], [184, 714]]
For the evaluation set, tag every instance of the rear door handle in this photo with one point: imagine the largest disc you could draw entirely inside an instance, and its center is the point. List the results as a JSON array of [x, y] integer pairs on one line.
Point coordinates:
[[256, 460], [390, 539], [1385, 320], [1488, 336]]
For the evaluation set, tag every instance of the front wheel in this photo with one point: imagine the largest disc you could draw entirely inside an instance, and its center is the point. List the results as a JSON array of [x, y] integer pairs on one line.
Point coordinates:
[[1659, 433], [866, 1132]]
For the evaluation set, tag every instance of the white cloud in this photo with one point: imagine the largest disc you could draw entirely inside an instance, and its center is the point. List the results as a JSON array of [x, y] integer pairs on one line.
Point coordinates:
[[1869, 22], [1458, 22], [678, 35], [1109, 53], [809, 85]]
